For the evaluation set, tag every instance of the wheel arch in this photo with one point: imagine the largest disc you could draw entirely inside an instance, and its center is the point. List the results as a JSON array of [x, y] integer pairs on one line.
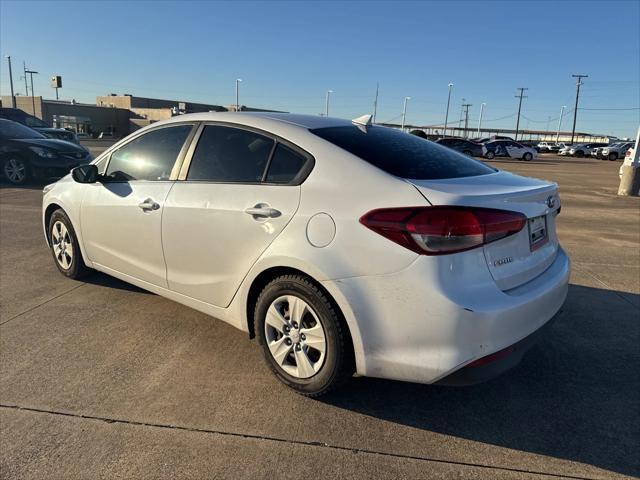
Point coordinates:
[[52, 207], [266, 275]]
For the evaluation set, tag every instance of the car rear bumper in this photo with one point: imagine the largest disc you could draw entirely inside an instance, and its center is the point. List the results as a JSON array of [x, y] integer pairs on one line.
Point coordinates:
[[439, 315]]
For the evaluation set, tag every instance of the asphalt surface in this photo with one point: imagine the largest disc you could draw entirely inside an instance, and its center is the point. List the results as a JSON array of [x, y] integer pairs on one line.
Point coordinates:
[[99, 379]]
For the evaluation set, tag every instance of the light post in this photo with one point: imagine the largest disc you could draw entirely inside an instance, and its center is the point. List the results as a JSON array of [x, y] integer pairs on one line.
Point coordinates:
[[480, 120], [560, 122], [326, 108], [404, 111], [238, 80], [446, 117]]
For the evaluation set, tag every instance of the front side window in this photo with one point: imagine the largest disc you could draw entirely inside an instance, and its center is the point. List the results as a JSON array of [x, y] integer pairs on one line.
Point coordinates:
[[230, 155], [150, 156], [402, 155]]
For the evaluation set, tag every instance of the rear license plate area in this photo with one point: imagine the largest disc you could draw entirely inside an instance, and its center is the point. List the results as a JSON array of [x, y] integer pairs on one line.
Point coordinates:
[[538, 234]]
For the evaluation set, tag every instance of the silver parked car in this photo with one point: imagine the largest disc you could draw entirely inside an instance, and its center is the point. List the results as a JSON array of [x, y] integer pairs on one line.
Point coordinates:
[[615, 151]]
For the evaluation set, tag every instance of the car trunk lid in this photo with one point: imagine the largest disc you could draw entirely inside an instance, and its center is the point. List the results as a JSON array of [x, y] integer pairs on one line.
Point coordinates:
[[520, 257]]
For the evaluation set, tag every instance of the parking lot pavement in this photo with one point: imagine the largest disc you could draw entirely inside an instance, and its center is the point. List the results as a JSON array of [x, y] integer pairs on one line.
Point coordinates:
[[100, 379]]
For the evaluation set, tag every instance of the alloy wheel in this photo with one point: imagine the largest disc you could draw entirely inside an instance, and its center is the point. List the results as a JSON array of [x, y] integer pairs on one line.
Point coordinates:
[[15, 170], [62, 245], [295, 336]]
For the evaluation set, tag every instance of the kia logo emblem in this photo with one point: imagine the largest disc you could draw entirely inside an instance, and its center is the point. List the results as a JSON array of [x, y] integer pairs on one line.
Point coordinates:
[[551, 201]]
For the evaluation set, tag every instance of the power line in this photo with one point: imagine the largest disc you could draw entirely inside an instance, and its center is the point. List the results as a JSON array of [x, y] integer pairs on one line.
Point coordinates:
[[611, 109], [521, 96]]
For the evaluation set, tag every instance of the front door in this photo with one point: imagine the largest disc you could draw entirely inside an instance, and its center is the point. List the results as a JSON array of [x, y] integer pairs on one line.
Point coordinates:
[[121, 216]]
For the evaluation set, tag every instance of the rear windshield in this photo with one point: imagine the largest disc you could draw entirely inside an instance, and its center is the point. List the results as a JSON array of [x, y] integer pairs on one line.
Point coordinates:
[[402, 154]]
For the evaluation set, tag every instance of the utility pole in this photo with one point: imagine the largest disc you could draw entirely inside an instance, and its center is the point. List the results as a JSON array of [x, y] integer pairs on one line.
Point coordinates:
[[26, 88], [375, 103], [560, 122], [238, 80], [575, 110], [446, 117], [461, 112], [480, 120], [33, 98], [326, 109], [13, 98], [404, 111], [466, 117], [521, 96]]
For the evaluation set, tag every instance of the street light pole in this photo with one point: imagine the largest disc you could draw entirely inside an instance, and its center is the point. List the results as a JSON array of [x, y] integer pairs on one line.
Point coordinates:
[[480, 119], [560, 122], [404, 112], [13, 98], [33, 97], [446, 117], [238, 80], [326, 107]]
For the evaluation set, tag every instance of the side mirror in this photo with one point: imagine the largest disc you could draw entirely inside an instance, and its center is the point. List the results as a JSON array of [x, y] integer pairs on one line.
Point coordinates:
[[85, 173]]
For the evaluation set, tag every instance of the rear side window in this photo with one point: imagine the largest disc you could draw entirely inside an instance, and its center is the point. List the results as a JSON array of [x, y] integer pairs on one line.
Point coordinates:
[[150, 156], [230, 155], [285, 165], [403, 155]]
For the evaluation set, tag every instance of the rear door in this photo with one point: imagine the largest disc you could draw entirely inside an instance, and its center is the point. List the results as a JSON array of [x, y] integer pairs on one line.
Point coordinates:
[[121, 217], [239, 188]]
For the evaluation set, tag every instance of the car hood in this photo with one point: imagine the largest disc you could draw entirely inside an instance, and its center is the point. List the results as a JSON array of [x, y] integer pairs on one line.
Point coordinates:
[[52, 144]]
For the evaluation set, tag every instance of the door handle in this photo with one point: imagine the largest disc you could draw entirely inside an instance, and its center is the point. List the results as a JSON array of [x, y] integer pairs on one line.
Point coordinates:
[[261, 210], [149, 205]]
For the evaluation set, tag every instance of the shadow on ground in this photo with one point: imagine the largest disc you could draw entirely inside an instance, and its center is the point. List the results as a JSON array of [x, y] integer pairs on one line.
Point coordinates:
[[575, 396], [103, 280]]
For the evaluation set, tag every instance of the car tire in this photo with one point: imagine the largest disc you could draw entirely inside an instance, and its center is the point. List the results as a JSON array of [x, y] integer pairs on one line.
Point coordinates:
[[64, 245], [468, 153], [613, 157], [527, 156], [579, 153], [303, 337], [489, 155], [16, 170]]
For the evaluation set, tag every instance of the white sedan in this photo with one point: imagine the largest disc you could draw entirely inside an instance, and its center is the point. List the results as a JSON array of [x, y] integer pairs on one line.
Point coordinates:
[[344, 248]]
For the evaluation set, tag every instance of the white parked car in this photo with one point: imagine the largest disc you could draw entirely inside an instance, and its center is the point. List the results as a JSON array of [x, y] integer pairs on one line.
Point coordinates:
[[615, 151], [509, 148], [584, 149], [565, 150], [343, 247]]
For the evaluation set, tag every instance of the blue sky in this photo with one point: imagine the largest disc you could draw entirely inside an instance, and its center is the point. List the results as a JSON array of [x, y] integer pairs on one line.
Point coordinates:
[[289, 53]]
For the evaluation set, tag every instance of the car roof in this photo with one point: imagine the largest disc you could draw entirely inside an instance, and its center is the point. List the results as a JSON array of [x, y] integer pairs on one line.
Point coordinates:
[[262, 119]]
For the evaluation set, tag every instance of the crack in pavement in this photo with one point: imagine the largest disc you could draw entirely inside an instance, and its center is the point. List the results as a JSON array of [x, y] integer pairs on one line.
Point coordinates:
[[43, 303], [284, 440], [604, 284]]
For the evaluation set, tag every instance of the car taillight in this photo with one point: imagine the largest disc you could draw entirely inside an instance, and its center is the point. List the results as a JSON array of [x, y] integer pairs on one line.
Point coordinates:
[[441, 230]]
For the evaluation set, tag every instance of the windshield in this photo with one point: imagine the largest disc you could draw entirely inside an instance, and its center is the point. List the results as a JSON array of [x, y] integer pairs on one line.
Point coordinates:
[[402, 154], [12, 130]]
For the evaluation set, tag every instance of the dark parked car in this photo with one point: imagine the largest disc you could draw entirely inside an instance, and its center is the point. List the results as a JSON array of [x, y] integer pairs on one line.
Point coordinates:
[[27, 154], [17, 115], [462, 145]]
